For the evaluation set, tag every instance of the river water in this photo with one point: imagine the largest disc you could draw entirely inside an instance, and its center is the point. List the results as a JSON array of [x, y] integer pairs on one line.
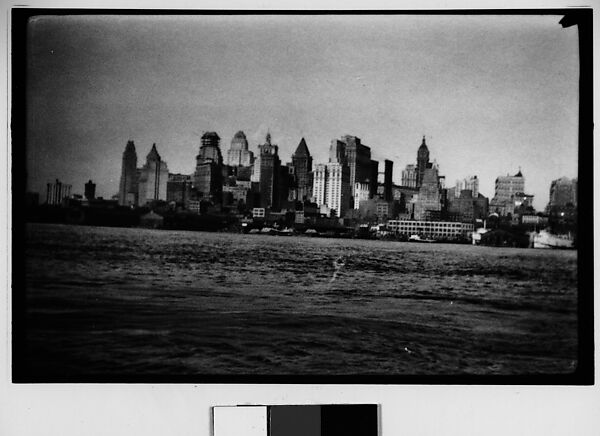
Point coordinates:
[[150, 302]]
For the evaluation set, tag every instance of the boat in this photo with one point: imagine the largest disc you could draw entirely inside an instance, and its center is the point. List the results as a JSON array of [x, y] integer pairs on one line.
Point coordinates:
[[417, 238], [285, 232], [545, 239], [476, 235]]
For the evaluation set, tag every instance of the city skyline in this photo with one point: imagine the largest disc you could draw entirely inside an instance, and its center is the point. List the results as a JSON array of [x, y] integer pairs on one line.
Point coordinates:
[[487, 105]]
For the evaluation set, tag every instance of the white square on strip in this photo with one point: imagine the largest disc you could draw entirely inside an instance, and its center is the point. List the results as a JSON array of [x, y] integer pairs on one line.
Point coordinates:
[[240, 421]]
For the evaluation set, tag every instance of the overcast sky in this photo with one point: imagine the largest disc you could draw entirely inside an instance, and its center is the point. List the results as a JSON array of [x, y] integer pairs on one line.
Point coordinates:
[[490, 93]]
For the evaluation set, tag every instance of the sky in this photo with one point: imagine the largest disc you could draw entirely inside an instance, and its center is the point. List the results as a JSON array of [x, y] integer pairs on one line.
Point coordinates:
[[491, 94]]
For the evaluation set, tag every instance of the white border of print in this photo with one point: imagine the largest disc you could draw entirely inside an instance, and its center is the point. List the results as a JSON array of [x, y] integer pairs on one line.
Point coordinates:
[[83, 409]]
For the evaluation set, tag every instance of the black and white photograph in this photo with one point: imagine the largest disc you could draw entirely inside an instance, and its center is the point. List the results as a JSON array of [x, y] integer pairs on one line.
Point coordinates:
[[301, 197]]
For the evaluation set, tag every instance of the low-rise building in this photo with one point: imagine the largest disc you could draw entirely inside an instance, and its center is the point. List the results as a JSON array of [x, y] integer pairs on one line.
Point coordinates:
[[431, 229]]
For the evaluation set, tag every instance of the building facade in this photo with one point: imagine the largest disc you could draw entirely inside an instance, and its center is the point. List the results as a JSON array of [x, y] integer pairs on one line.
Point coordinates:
[[431, 229], [470, 183], [361, 193], [238, 153], [152, 184], [563, 193], [319, 184], [269, 174], [208, 176], [429, 198], [179, 188], [387, 180], [338, 191], [56, 192], [128, 186], [422, 162], [302, 163], [409, 176], [90, 190], [504, 191], [358, 157]]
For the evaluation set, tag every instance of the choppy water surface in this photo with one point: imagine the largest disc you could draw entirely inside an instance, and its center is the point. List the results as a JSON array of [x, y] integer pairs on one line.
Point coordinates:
[[134, 301]]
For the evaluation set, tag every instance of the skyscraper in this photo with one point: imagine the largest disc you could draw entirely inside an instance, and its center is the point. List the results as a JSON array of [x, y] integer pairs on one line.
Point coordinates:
[[338, 191], [428, 200], [269, 174], [319, 184], [128, 186], [154, 175], [208, 177], [90, 190], [470, 183], [563, 192], [179, 188], [505, 189], [359, 161], [387, 181], [238, 154], [302, 163], [409, 176], [422, 162], [56, 192], [373, 176]]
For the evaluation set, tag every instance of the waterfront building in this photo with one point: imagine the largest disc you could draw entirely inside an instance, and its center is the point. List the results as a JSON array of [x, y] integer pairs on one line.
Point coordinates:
[[90, 190], [179, 188], [462, 207], [563, 193], [152, 184], [422, 162], [429, 198], [208, 176], [505, 189], [269, 165], [237, 193], [128, 185], [409, 176], [431, 229], [302, 163], [238, 153], [56, 192], [193, 206], [464, 201]]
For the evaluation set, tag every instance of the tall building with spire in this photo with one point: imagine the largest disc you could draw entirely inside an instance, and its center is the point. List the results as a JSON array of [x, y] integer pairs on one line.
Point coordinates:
[[208, 176], [428, 202], [269, 171], [422, 162], [238, 154], [302, 163], [152, 184], [128, 186]]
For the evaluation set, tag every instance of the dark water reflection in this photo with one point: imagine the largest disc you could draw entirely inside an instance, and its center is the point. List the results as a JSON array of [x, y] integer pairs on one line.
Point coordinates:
[[134, 301]]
